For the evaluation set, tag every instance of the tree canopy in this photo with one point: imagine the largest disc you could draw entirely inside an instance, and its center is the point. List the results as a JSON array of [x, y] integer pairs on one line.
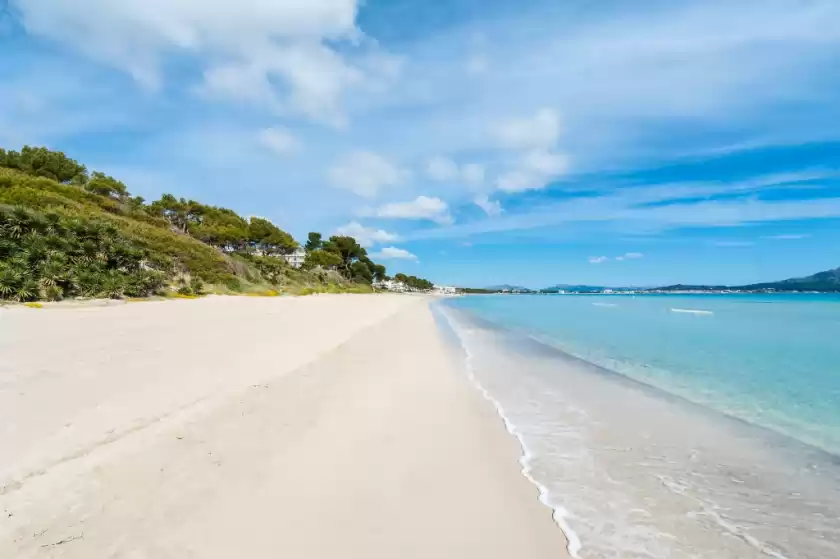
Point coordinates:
[[102, 184], [41, 162], [267, 238], [314, 241], [322, 259], [414, 282]]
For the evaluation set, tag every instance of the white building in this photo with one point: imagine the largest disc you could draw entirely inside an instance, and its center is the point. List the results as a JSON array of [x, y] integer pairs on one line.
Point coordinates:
[[296, 258], [445, 290], [391, 285]]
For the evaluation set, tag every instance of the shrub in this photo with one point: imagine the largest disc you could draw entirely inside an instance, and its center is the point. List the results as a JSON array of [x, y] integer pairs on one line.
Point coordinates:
[[52, 256]]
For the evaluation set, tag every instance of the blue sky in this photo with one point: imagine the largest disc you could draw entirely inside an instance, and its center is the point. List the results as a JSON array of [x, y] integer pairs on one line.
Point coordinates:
[[472, 142]]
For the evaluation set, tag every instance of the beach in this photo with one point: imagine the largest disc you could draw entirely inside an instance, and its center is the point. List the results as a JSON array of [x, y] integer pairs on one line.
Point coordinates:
[[670, 435], [324, 426]]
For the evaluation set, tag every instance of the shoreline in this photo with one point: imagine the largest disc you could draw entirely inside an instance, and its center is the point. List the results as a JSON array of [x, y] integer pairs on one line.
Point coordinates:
[[599, 448], [558, 513], [324, 429]]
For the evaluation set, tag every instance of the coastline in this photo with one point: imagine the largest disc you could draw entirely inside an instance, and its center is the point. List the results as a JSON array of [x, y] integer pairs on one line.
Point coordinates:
[[701, 482], [242, 426], [558, 513]]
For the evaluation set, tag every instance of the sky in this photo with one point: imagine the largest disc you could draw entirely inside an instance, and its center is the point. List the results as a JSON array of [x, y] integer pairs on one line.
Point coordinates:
[[471, 142]]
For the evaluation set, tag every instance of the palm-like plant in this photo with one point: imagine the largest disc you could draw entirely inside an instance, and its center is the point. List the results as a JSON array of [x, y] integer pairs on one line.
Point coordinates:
[[50, 273], [113, 285], [53, 224], [52, 256], [52, 293], [27, 290], [16, 223], [9, 281]]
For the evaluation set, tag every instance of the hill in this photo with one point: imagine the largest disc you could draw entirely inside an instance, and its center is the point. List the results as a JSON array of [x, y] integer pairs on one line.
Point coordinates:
[[821, 281], [573, 288], [65, 232], [505, 287]]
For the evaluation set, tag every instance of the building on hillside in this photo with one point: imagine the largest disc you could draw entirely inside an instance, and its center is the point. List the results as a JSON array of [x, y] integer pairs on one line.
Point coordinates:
[[391, 285], [445, 290], [296, 258]]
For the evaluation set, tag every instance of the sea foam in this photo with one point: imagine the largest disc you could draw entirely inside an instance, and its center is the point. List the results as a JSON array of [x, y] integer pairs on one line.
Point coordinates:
[[559, 514]]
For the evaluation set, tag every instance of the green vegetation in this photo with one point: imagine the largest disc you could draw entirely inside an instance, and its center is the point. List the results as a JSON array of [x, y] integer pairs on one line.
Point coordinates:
[[50, 256], [65, 232], [414, 282]]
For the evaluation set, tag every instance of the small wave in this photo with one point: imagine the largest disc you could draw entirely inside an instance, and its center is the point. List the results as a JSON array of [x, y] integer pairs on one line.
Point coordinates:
[[709, 510], [604, 305], [559, 513], [692, 311]]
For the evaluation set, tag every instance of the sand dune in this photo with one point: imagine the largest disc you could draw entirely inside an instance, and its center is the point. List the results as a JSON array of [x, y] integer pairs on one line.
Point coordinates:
[[329, 426]]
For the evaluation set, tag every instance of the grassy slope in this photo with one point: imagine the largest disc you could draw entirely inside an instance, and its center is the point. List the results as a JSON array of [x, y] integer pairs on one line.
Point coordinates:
[[223, 272]]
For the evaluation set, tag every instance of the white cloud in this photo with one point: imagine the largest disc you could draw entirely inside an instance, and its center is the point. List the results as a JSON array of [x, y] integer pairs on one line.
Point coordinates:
[[365, 173], [661, 207], [243, 49], [279, 140], [366, 236], [394, 253], [633, 255], [473, 174], [316, 74], [491, 208], [538, 162], [422, 207], [534, 170], [545, 163], [597, 259], [539, 132], [442, 169], [786, 237], [519, 181]]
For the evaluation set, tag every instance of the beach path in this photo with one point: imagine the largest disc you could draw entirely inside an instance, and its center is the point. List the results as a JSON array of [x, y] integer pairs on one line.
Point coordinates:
[[328, 426]]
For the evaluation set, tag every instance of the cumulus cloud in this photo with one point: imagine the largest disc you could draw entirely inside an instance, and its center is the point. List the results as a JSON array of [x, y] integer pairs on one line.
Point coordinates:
[[244, 50], [394, 253], [597, 259], [422, 207], [365, 173], [492, 208], [539, 132], [538, 162], [630, 256], [366, 236], [279, 140], [443, 169], [535, 170]]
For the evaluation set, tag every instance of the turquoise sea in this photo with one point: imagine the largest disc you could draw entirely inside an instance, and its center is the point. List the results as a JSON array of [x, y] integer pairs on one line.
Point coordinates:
[[670, 425]]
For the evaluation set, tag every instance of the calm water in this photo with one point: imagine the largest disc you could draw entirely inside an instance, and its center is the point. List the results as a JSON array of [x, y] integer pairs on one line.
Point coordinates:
[[671, 426]]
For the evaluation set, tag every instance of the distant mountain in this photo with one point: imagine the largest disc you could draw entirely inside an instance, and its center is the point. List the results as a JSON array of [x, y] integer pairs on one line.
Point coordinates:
[[585, 288], [822, 281], [574, 288], [506, 287]]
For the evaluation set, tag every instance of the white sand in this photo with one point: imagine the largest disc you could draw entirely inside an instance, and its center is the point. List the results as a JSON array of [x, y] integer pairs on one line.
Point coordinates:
[[328, 426]]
